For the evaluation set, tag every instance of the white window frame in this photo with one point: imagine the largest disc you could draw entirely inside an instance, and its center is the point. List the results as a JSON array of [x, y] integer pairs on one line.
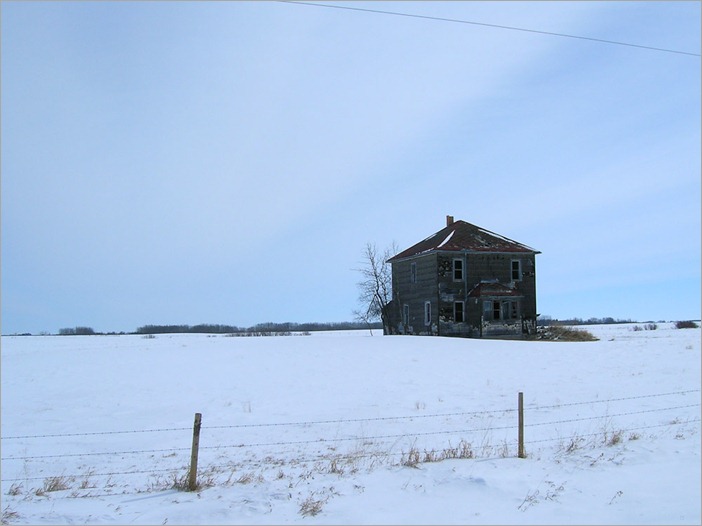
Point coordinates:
[[427, 313]]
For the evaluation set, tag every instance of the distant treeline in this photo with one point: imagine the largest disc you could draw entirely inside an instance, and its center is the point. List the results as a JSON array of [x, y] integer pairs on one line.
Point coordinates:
[[261, 328], [270, 328], [548, 320], [73, 331]]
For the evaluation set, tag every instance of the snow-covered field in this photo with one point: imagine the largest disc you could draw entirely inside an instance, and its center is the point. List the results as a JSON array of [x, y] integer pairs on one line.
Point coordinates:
[[328, 429]]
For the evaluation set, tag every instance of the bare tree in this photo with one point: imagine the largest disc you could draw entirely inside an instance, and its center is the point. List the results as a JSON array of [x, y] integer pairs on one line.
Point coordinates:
[[375, 287]]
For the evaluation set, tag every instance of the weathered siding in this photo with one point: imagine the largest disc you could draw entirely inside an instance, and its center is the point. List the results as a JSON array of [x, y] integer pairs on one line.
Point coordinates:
[[452, 290], [490, 266], [498, 267], [436, 282], [414, 294]]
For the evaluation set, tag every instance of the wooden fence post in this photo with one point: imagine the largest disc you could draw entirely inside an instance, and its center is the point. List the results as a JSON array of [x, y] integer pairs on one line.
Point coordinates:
[[520, 451], [192, 479]]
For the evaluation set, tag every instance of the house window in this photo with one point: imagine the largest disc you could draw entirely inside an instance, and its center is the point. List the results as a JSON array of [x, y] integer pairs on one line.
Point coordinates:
[[516, 270], [405, 314], [457, 270], [500, 310], [496, 309], [413, 273], [427, 313], [487, 310], [458, 312]]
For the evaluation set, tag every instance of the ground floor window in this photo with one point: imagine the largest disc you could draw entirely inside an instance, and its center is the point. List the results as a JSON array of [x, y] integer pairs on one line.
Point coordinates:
[[500, 310], [513, 310], [496, 310], [427, 313], [405, 314], [458, 312], [487, 309]]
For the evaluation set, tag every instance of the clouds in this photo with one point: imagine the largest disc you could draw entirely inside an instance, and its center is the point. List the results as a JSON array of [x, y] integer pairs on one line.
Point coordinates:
[[152, 152]]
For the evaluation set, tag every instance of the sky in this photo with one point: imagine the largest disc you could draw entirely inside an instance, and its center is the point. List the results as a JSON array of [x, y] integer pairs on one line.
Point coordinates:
[[227, 162]]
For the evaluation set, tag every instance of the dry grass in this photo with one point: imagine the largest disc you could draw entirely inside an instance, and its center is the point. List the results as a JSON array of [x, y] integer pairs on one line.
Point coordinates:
[[179, 482], [564, 334], [613, 438], [465, 450], [311, 506], [335, 468], [573, 444], [245, 478], [8, 516], [413, 457], [51, 484], [87, 482], [182, 482], [15, 489]]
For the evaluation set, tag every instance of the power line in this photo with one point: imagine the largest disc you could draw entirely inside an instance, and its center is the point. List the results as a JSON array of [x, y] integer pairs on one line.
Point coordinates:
[[496, 26]]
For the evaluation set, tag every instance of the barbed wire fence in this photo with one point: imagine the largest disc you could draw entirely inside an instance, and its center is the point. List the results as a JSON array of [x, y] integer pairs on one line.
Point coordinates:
[[233, 452]]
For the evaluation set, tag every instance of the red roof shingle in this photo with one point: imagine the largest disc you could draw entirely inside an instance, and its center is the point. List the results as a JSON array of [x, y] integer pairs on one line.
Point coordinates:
[[462, 236]]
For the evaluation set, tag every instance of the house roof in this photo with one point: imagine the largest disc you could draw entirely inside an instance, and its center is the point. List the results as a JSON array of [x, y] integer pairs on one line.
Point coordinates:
[[461, 236]]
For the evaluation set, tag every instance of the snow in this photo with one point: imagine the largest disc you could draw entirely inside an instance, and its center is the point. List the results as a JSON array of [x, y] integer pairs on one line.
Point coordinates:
[[446, 240], [508, 240], [326, 423]]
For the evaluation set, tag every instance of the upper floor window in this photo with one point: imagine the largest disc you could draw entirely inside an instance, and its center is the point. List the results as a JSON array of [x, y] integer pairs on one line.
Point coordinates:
[[413, 272], [516, 270], [457, 270]]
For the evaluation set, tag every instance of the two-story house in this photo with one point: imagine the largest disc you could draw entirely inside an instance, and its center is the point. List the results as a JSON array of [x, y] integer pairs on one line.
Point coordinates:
[[464, 280]]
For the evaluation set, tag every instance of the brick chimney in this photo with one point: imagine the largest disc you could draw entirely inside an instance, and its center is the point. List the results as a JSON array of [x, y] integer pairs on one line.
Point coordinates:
[[449, 220]]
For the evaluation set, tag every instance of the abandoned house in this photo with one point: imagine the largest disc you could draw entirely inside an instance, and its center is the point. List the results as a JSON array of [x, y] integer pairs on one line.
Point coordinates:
[[464, 281]]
